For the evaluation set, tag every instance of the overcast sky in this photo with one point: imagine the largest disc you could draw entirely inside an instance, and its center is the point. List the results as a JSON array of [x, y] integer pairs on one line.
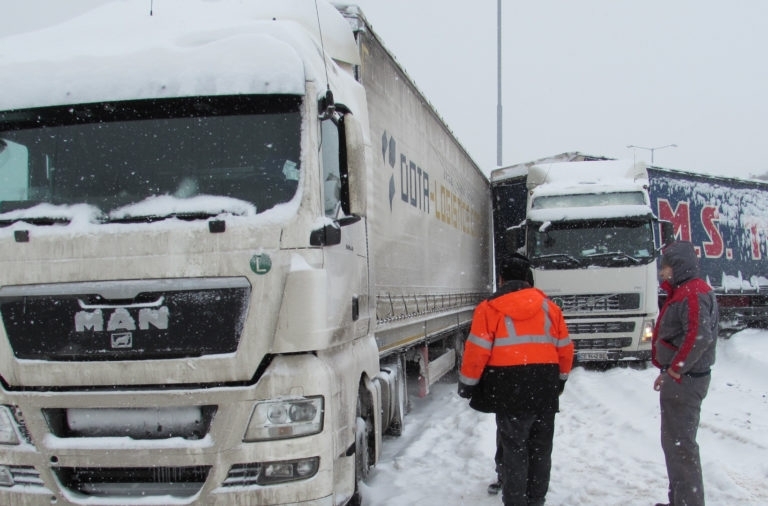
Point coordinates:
[[593, 76], [581, 75]]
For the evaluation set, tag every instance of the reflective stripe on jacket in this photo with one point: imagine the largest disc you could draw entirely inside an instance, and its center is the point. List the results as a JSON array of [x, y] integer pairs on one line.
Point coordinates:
[[518, 328]]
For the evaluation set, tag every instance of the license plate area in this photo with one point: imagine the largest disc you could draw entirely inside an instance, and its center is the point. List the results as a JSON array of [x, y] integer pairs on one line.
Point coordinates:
[[592, 356]]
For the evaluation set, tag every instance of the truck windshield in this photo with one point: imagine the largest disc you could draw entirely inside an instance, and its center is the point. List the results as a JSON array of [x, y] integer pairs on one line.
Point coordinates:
[[593, 243], [243, 151]]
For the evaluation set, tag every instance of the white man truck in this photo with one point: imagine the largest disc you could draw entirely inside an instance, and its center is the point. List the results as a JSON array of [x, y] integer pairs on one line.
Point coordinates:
[[588, 228], [226, 228]]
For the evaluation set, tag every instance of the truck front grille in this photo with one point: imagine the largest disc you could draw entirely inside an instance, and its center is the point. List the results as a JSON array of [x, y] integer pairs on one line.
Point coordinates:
[[597, 302], [614, 343], [579, 327], [119, 482], [24, 476], [125, 320]]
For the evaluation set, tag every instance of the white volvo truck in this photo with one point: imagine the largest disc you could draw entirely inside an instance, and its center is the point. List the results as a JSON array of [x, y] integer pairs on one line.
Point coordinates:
[[227, 231], [588, 228]]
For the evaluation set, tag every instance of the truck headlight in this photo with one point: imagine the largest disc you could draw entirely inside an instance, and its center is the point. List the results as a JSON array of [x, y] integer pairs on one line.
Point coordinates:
[[285, 418], [278, 472], [7, 427], [647, 334]]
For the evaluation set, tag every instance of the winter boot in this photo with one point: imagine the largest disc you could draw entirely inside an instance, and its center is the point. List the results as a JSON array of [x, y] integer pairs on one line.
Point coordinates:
[[495, 487]]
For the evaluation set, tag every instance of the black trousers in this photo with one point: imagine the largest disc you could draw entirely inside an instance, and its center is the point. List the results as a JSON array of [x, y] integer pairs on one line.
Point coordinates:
[[526, 456], [680, 413]]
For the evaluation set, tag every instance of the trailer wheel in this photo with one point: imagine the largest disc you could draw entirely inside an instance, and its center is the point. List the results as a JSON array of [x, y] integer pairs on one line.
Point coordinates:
[[401, 401]]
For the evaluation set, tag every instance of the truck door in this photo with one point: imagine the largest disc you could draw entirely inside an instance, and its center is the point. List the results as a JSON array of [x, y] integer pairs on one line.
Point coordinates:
[[346, 261]]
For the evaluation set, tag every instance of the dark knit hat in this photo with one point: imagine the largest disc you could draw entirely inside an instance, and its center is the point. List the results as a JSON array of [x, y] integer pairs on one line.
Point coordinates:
[[516, 267]]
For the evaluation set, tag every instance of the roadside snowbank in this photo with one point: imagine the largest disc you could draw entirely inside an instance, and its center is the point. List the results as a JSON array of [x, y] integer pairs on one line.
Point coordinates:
[[607, 449]]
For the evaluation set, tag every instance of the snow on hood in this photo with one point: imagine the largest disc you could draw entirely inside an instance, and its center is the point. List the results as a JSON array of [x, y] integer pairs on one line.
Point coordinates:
[[117, 51]]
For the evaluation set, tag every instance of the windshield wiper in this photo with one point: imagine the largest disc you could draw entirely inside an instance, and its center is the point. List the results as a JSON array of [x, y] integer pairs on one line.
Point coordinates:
[[558, 259], [615, 256], [186, 216]]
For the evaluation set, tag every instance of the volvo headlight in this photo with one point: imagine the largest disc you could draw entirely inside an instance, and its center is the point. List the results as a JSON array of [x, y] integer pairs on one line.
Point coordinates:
[[647, 334], [285, 418]]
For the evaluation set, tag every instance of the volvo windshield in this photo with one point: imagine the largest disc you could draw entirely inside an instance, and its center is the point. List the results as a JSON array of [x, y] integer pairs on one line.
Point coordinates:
[[243, 151], [593, 243]]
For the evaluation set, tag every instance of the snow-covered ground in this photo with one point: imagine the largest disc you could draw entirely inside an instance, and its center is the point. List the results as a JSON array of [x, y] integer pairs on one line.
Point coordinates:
[[607, 450]]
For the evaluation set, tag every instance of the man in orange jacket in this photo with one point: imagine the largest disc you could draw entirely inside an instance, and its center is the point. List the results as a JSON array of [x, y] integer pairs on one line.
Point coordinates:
[[516, 361]]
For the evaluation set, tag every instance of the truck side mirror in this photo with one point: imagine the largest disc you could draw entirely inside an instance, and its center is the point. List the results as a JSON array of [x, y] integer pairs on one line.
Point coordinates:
[[328, 235], [356, 165], [512, 237], [667, 233]]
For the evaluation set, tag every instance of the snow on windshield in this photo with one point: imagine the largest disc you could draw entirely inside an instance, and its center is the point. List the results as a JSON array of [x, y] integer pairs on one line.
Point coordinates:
[[204, 204]]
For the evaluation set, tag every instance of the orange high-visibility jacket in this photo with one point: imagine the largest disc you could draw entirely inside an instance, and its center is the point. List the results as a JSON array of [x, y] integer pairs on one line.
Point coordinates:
[[518, 328]]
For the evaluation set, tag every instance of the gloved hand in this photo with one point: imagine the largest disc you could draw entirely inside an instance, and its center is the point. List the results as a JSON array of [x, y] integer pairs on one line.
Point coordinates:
[[465, 390], [561, 387]]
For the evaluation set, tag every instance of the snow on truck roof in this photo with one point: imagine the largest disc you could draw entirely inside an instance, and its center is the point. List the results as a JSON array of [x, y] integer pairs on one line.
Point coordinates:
[[587, 177], [118, 51], [593, 172], [587, 190], [588, 213]]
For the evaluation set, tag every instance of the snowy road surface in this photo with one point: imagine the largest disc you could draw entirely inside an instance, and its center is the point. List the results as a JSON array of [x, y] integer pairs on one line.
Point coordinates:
[[607, 449]]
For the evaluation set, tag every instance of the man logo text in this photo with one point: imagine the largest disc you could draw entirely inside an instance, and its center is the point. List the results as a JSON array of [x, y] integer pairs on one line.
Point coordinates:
[[121, 319]]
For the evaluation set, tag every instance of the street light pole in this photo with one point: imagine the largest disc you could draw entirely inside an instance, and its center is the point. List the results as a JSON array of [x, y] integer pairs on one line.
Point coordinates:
[[632, 146], [498, 85]]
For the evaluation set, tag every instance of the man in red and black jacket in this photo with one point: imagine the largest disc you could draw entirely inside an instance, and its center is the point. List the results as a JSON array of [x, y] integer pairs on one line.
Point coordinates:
[[684, 350]]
